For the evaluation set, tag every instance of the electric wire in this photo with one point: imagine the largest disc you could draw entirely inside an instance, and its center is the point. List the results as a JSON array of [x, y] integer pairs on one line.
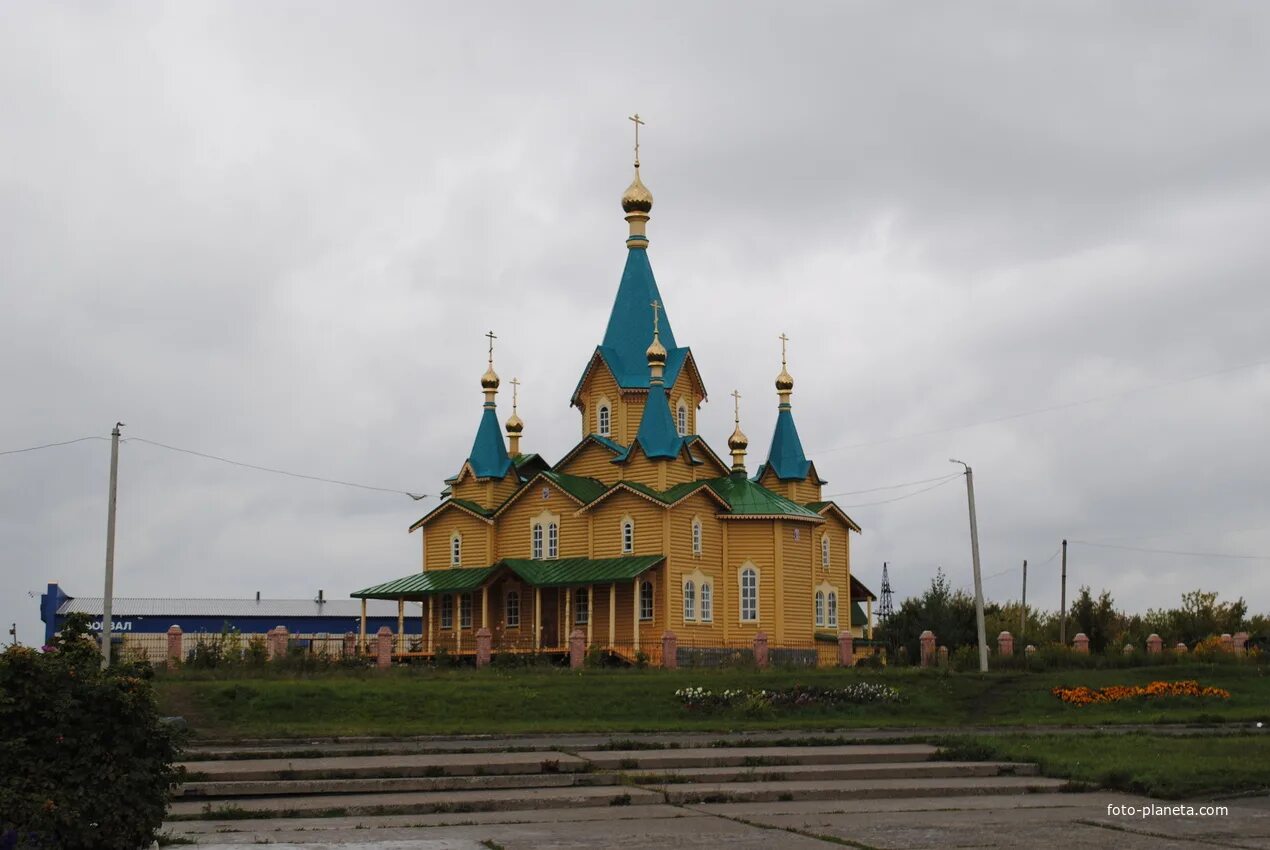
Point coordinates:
[[1174, 551], [52, 445], [906, 495], [893, 486]]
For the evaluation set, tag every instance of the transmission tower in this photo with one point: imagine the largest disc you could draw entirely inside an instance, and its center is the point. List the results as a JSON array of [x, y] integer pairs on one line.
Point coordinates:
[[885, 607]]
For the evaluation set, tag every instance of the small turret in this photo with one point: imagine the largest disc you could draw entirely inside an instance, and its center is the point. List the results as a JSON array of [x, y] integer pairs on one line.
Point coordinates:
[[514, 423], [738, 442]]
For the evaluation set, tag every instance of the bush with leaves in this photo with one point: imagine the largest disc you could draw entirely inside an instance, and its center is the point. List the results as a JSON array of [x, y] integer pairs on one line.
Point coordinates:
[[87, 763]]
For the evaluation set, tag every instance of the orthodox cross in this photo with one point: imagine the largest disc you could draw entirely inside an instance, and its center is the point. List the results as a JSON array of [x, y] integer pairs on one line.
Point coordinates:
[[491, 347], [656, 305], [637, 121], [784, 339], [515, 387], [736, 402]]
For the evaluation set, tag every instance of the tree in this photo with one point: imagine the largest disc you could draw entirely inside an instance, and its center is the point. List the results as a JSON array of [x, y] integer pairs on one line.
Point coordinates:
[[949, 613], [1097, 619], [88, 765]]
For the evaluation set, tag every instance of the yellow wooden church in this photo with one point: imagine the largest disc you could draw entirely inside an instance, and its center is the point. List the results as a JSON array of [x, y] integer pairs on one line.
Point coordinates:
[[641, 528]]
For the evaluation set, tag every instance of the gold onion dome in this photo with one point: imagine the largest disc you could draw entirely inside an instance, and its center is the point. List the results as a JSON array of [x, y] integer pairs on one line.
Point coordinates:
[[738, 441], [514, 424], [489, 381], [784, 381], [637, 198], [656, 352]]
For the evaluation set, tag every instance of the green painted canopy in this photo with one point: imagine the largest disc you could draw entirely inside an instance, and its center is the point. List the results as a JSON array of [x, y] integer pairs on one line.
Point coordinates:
[[748, 498], [428, 583], [573, 572]]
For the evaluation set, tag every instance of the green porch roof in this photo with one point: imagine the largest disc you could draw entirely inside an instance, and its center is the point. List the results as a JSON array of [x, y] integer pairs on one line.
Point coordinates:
[[571, 572], [748, 498], [857, 615], [427, 583], [584, 490]]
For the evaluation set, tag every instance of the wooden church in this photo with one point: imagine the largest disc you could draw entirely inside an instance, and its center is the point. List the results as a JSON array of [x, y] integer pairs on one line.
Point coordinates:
[[641, 528]]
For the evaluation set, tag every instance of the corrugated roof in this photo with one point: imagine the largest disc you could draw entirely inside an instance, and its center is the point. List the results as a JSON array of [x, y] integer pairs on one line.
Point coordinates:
[[428, 582], [126, 607], [748, 498], [571, 572]]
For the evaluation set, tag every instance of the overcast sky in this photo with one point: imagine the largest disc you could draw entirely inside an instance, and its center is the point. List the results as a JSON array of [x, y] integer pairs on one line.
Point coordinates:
[[278, 232]]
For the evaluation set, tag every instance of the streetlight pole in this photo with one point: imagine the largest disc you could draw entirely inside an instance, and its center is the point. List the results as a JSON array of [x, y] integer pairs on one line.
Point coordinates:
[[107, 599], [974, 552]]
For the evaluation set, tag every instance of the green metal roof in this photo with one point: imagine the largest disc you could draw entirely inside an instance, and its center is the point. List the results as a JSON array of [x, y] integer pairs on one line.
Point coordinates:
[[427, 583], [571, 572], [748, 498], [583, 489], [818, 507]]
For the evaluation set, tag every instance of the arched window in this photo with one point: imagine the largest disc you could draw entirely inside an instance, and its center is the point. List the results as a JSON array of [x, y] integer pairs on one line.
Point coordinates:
[[681, 418], [603, 425], [696, 537], [553, 540], [581, 607], [645, 600], [447, 612], [824, 551], [628, 536], [465, 611], [690, 601], [749, 595], [707, 602], [820, 608], [511, 609], [833, 609], [456, 549], [535, 551]]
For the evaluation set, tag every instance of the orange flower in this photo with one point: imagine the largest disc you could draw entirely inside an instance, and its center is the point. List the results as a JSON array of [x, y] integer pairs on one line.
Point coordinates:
[[1083, 695]]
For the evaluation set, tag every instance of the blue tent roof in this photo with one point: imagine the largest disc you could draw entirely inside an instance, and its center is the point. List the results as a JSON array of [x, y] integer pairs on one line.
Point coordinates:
[[786, 457], [657, 434], [489, 458]]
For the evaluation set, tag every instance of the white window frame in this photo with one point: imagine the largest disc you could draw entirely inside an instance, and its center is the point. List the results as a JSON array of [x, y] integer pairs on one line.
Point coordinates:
[[604, 419], [646, 601], [465, 611], [832, 609], [748, 607], [681, 418], [581, 607], [690, 601], [447, 612], [628, 535], [707, 601], [456, 549], [824, 551], [511, 609], [553, 540], [535, 545], [696, 537], [820, 609]]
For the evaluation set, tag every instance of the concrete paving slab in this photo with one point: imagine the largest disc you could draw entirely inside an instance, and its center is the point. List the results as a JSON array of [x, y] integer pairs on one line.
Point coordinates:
[[272, 787], [414, 844], [897, 770], [756, 756], [448, 764], [736, 792]]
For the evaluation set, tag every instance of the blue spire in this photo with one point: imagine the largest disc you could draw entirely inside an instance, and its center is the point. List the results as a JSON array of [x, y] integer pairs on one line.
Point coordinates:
[[489, 457], [657, 434], [786, 457], [629, 326]]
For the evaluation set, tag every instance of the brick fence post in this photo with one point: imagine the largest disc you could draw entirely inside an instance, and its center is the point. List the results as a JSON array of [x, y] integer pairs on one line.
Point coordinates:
[[278, 648], [846, 650], [1005, 644], [760, 650], [175, 655], [1227, 642], [269, 643], [943, 656], [1128, 649], [350, 644], [1029, 650], [1080, 643], [383, 648], [669, 650], [1155, 644], [1181, 647], [928, 648], [484, 646], [577, 648], [1240, 641]]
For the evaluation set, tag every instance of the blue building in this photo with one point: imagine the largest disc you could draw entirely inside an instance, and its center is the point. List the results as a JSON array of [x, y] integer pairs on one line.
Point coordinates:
[[140, 617]]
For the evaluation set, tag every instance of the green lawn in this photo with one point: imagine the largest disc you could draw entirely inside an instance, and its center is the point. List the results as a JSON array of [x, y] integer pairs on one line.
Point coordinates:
[[422, 701], [1169, 766]]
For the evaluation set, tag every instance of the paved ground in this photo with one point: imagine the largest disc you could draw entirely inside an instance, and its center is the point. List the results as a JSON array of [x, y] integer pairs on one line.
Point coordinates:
[[1070, 821]]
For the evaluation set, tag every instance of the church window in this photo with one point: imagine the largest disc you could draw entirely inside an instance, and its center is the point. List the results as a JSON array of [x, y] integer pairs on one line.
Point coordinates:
[[447, 612], [696, 537], [465, 611], [749, 595], [553, 540], [690, 601], [833, 609], [824, 551], [645, 600], [603, 424], [707, 602], [511, 609], [820, 608], [581, 607], [536, 548], [681, 419], [456, 549], [628, 536]]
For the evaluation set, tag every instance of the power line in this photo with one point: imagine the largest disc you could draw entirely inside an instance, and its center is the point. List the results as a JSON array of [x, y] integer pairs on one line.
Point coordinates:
[[415, 496], [1051, 409], [51, 445], [952, 477], [1175, 552], [892, 486]]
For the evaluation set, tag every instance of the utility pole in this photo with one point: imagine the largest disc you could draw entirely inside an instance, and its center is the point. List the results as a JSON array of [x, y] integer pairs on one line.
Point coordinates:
[[1023, 613], [1062, 605], [107, 598], [974, 552]]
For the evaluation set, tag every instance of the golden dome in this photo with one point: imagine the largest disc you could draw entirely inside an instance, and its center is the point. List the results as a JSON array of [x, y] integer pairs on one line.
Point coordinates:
[[637, 198], [656, 352], [489, 381], [784, 381], [514, 424], [738, 441]]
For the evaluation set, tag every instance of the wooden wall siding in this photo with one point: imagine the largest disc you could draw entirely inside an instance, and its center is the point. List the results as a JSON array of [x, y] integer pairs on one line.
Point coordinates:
[[436, 550], [750, 540], [799, 542], [469, 489], [801, 492], [514, 524], [839, 563], [594, 461], [683, 561], [486, 492], [679, 471], [501, 490], [600, 384], [606, 521]]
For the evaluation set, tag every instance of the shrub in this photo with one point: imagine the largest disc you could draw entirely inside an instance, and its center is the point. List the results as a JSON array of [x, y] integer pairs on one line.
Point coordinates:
[[89, 766]]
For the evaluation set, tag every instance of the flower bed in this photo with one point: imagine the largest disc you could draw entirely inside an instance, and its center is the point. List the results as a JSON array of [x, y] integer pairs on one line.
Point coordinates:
[[1156, 690], [859, 693]]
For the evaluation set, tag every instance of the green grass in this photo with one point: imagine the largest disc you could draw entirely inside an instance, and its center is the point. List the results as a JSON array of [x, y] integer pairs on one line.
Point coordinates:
[[416, 702], [1168, 766]]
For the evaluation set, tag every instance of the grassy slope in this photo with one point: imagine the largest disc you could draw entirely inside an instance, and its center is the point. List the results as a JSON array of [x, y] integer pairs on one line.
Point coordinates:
[[1169, 766], [408, 702]]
